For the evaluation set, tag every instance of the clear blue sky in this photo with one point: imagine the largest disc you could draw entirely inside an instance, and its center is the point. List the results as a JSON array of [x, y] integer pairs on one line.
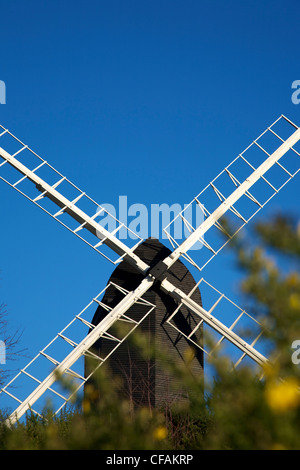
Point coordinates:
[[145, 99]]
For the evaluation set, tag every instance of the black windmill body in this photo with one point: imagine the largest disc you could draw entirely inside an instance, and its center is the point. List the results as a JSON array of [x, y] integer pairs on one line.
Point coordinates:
[[144, 381]]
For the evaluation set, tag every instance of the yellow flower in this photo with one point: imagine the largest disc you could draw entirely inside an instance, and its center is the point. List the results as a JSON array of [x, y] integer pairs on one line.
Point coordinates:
[[278, 446], [86, 406], [160, 433], [283, 396], [294, 301], [91, 392], [292, 280], [270, 370], [189, 354]]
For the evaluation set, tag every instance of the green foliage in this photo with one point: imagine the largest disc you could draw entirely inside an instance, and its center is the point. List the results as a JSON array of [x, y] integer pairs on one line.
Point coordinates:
[[235, 411], [102, 424]]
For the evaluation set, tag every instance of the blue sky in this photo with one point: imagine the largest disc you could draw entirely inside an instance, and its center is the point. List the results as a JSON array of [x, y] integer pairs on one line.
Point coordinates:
[[145, 99]]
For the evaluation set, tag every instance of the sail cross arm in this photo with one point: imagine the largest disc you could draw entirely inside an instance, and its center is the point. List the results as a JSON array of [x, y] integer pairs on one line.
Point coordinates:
[[227, 204], [75, 212]]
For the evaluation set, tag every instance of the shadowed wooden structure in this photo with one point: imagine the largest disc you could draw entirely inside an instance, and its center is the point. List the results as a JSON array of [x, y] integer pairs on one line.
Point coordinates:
[[144, 381]]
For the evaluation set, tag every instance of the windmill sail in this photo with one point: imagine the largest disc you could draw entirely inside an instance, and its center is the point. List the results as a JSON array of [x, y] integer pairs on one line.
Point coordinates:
[[157, 273], [241, 190], [32, 176], [78, 343], [228, 325]]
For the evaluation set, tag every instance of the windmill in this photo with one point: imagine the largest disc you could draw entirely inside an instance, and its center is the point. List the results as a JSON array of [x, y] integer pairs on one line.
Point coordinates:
[[242, 189]]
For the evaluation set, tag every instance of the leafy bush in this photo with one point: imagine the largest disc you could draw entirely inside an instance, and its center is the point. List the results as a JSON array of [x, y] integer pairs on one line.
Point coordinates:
[[235, 411]]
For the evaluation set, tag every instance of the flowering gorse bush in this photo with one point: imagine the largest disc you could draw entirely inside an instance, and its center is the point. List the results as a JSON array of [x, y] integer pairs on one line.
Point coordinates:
[[243, 409]]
